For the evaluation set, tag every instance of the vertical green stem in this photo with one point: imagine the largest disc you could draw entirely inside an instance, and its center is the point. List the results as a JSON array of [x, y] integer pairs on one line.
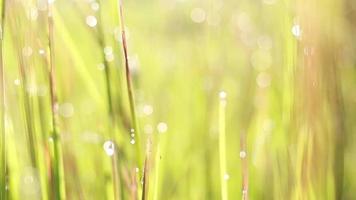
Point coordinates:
[[2, 108], [54, 102], [114, 158], [129, 87], [157, 167], [244, 166], [147, 169], [222, 145]]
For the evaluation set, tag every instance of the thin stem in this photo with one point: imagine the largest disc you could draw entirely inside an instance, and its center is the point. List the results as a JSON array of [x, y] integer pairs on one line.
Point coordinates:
[[115, 173], [54, 103], [157, 166], [114, 158], [244, 166], [222, 145], [147, 168], [2, 104], [129, 86]]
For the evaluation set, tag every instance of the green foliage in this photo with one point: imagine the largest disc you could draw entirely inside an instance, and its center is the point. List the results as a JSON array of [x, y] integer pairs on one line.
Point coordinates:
[[84, 116]]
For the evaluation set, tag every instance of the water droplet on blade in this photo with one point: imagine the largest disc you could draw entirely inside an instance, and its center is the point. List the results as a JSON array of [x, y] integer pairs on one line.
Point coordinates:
[[91, 21], [109, 148]]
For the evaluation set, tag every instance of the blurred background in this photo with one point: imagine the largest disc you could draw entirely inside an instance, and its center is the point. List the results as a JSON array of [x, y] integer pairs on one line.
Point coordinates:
[[250, 98]]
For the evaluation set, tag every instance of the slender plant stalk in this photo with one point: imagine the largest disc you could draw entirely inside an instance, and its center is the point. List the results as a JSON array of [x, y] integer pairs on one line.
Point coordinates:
[[2, 104], [54, 102], [115, 174], [129, 87], [31, 137], [114, 158], [24, 79], [134, 185], [101, 41], [147, 168], [222, 145], [157, 166], [244, 166]]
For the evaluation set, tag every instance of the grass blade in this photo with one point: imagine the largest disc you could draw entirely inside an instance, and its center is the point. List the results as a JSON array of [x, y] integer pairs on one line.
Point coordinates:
[[2, 108], [222, 146]]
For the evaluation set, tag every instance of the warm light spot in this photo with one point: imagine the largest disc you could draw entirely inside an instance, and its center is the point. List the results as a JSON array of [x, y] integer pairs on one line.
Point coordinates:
[[147, 109], [17, 81], [162, 127], [91, 21], [198, 15], [222, 95], [95, 6], [263, 80], [226, 176], [66, 110]]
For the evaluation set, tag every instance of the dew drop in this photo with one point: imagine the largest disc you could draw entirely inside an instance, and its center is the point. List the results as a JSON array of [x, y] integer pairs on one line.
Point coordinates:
[[296, 30], [243, 154], [109, 148], [91, 21], [226, 176], [41, 51], [132, 141], [162, 127], [222, 95], [17, 81]]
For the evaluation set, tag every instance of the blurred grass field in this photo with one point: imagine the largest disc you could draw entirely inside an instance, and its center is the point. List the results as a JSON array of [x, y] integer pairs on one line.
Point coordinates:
[[245, 99]]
